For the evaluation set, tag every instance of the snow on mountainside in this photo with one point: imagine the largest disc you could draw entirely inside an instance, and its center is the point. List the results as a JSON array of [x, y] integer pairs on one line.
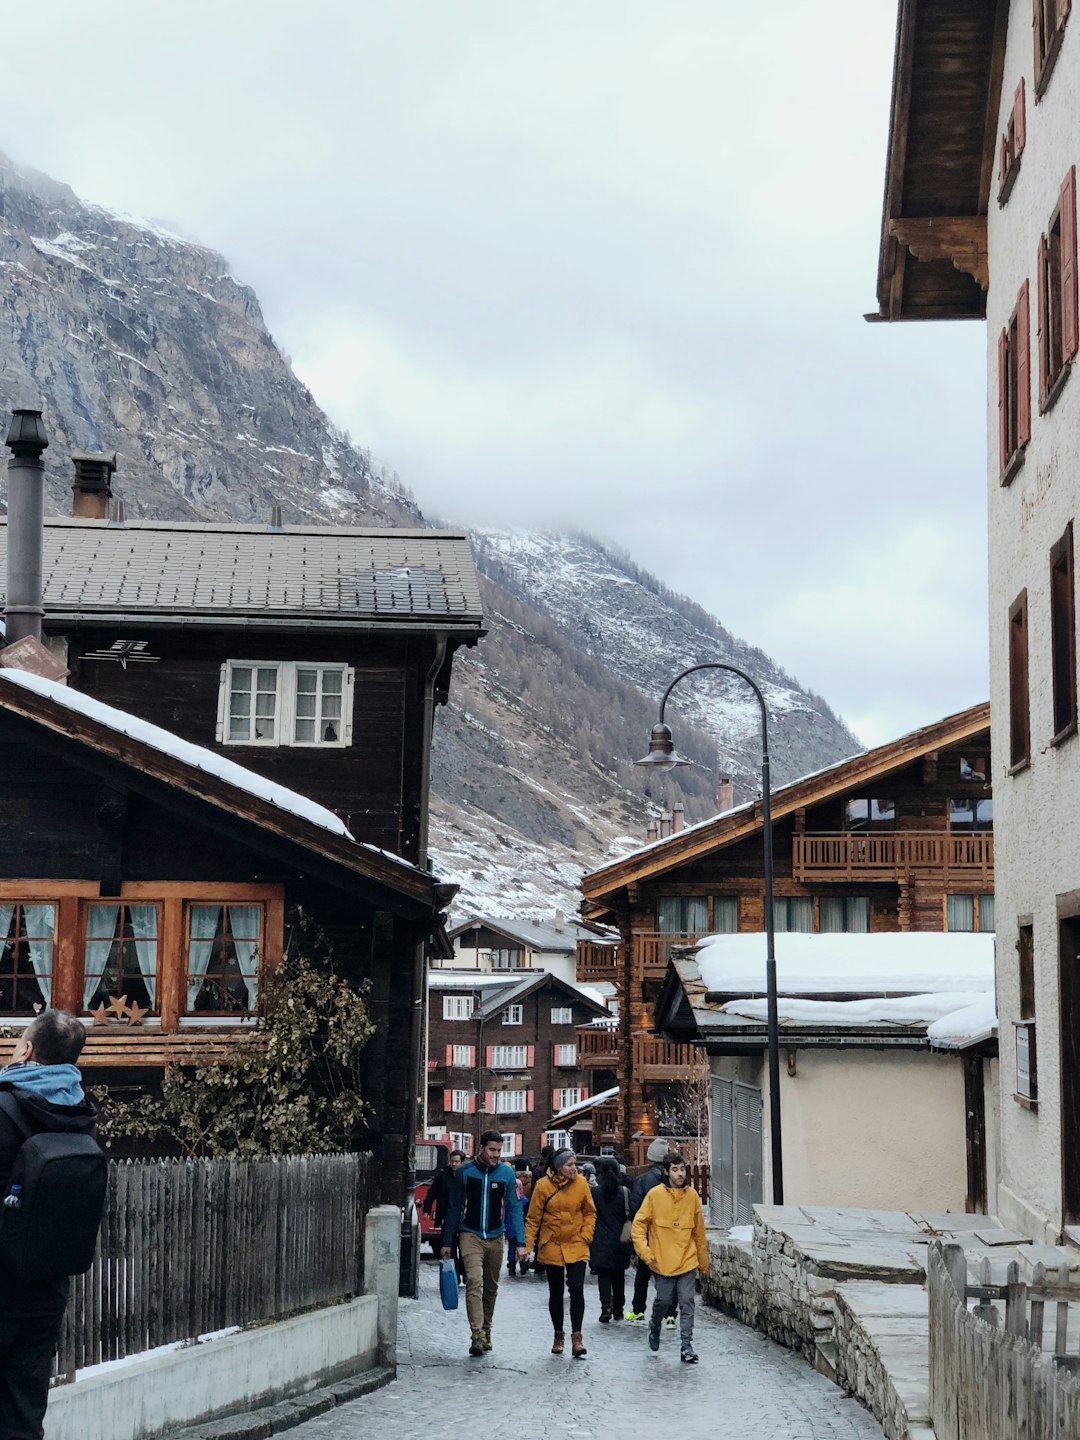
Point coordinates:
[[137, 340]]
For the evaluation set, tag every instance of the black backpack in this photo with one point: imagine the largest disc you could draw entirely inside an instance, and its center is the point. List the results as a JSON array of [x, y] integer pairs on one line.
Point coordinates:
[[62, 1177]]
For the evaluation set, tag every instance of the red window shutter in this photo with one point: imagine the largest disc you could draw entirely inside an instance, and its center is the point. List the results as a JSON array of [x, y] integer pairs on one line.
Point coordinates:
[[470, 1108], [448, 1100], [1019, 120], [584, 1093], [517, 1144], [1040, 327], [489, 1101], [530, 1098], [1003, 401], [472, 1055], [1036, 33], [449, 1054], [489, 1056], [530, 1056], [1070, 333], [1023, 365]]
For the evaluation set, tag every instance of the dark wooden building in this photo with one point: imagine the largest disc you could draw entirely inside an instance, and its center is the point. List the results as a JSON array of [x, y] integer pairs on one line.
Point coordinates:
[[898, 838]]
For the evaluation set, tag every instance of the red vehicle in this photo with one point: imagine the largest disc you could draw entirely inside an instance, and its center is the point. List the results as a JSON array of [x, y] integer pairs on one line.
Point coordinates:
[[431, 1157]]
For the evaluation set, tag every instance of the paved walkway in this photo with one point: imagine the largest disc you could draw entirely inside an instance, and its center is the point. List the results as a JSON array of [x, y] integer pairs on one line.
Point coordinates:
[[745, 1387]]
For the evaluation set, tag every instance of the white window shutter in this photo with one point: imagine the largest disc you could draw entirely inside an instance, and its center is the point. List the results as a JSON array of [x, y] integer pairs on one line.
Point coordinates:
[[347, 705], [223, 694]]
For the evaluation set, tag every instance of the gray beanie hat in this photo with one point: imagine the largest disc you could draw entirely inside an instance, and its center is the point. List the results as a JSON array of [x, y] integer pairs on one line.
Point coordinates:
[[559, 1159], [657, 1151]]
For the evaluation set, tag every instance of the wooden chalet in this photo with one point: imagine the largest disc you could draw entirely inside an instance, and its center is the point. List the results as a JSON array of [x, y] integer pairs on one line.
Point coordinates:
[[148, 884], [898, 838]]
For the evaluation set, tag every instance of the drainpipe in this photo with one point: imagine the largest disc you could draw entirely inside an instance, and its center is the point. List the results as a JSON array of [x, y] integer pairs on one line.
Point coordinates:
[[24, 610]]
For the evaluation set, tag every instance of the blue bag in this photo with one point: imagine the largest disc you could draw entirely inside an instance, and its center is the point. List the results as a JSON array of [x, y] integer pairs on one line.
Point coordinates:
[[448, 1286]]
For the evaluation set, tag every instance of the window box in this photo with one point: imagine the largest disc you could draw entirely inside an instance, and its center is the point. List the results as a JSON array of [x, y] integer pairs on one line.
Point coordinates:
[[285, 703]]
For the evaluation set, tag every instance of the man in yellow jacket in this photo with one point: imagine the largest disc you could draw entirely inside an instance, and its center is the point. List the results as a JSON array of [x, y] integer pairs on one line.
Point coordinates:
[[669, 1235]]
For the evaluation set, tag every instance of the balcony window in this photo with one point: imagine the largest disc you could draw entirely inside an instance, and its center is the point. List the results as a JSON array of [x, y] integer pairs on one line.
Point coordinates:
[[868, 812], [26, 962], [682, 915], [966, 913], [844, 914], [725, 914], [508, 959], [793, 913], [971, 814], [120, 958]]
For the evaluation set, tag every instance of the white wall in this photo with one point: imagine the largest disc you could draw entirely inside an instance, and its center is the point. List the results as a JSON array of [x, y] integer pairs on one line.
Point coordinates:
[[1037, 841]]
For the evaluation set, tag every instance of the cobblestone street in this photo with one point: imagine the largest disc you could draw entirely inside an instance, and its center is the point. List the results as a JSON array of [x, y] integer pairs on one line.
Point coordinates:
[[744, 1386]]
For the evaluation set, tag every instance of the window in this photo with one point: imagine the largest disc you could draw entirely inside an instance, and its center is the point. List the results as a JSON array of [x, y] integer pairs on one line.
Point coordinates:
[[725, 914], [793, 912], [285, 704], [509, 1102], [844, 914], [508, 959], [974, 768], [457, 1007], [1012, 145], [223, 959], [513, 1015], [1027, 1077], [969, 813], [570, 1095], [121, 956], [1048, 26], [461, 1140], [562, 1014], [26, 963], [1019, 717], [461, 1101], [866, 813], [1014, 386], [1055, 277], [682, 915], [558, 1139], [462, 1056], [566, 1055], [509, 1057], [511, 1145], [1063, 633], [969, 912]]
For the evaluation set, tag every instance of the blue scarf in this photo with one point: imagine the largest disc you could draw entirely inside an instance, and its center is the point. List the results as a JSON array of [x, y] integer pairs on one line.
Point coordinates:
[[59, 1084]]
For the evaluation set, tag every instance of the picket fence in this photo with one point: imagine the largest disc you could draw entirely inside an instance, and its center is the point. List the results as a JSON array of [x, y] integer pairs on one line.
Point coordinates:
[[190, 1247]]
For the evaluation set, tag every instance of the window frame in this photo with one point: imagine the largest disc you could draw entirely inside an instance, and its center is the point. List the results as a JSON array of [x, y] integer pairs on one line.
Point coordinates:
[[19, 905], [286, 699], [514, 1014], [559, 1060], [1014, 386], [1049, 18], [1057, 297], [562, 1015], [1063, 636], [1019, 686], [448, 1007], [1012, 144], [976, 897], [1026, 1094]]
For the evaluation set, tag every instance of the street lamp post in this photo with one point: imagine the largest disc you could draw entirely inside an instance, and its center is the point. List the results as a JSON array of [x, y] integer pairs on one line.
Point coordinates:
[[663, 756]]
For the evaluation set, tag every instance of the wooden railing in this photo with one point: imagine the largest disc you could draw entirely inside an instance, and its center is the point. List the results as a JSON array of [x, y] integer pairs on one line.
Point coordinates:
[[597, 1046], [605, 1121], [893, 854], [656, 1059], [990, 1381], [192, 1246], [651, 951], [597, 961]]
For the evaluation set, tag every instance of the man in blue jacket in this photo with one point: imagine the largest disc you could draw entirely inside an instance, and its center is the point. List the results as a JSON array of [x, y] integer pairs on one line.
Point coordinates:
[[484, 1207]]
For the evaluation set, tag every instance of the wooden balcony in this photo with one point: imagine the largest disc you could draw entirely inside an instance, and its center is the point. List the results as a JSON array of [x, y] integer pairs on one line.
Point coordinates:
[[894, 855], [147, 1047], [598, 961], [597, 1047], [661, 1060], [651, 951], [605, 1119]]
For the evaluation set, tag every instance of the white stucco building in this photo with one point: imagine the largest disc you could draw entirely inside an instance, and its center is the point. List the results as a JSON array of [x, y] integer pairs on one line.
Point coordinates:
[[980, 217]]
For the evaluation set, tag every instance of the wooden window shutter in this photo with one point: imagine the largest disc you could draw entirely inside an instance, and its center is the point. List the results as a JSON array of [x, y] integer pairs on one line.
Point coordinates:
[[1042, 337], [517, 1144], [470, 1108], [448, 1100], [472, 1055], [347, 704], [584, 1093], [1064, 6], [1019, 121], [530, 1100], [449, 1054], [223, 694], [489, 1101], [1003, 161], [1003, 401], [530, 1056], [1070, 332], [1023, 365]]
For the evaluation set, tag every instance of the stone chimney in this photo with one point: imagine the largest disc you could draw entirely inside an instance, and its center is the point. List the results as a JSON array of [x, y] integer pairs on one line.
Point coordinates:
[[560, 921], [24, 609], [92, 486], [678, 817], [725, 794], [665, 826], [650, 830]]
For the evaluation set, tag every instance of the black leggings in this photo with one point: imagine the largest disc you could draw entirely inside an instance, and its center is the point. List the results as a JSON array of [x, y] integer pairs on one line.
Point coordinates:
[[573, 1278]]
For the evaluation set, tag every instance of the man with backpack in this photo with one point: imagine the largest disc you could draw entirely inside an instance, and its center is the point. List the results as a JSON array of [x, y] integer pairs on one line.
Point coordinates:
[[52, 1188]]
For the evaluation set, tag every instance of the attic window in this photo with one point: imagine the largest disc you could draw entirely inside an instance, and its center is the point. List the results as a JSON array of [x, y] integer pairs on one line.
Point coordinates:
[[285, 704]]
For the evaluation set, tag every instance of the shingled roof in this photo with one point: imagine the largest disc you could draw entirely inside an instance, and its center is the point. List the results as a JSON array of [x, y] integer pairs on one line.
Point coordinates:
[[160, 571]]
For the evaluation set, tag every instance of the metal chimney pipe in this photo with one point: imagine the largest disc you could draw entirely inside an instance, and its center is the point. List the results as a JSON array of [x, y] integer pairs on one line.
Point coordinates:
[[678, 817], [24, 610]]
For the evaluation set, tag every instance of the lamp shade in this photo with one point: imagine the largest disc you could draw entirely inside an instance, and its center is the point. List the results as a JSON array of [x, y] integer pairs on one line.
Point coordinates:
[[662, 753]]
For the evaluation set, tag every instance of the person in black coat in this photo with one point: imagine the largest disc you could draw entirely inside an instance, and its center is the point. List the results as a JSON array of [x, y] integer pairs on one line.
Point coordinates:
[[437, 1199], [609, 1254]]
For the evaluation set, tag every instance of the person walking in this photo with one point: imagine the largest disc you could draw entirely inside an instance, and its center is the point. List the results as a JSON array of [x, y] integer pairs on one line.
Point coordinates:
[[437, 1200], [669, 1235], [640, 1187], [560, 1224], [609, 1253], [484, 1207]]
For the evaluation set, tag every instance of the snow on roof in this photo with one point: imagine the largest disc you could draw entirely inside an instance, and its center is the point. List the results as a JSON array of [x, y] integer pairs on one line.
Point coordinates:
[[183, 750], [588, 1104], [472, 979], [941, 1009], [592, 993], [535, 933], [966, 1026], [908, 962]]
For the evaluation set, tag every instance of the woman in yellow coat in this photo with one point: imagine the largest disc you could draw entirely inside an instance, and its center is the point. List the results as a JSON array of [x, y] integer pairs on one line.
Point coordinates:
[[560, 1224]]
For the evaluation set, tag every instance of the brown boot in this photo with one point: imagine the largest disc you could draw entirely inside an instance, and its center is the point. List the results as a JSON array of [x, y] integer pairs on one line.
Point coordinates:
[[577, 1346], [557, 1348]]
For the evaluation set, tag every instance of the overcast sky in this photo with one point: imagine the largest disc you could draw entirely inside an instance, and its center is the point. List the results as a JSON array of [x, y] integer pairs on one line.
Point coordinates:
[[600, 263]]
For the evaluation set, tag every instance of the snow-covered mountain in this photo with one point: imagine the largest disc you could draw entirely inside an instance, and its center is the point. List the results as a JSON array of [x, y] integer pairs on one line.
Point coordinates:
[[140, 341]]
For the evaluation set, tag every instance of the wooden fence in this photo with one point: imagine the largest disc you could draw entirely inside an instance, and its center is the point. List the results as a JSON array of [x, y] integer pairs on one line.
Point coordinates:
[[1001, 1381], [188, 1247]]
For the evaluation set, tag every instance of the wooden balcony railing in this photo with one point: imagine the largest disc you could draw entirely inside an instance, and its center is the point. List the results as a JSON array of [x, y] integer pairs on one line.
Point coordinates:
[[651, 951], [598, 961], [605, 1119], [662, 1060], [597, 1046], [893, 854]]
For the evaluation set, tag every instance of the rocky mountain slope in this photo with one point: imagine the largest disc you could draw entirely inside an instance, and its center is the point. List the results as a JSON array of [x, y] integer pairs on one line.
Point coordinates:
[[139, 341]]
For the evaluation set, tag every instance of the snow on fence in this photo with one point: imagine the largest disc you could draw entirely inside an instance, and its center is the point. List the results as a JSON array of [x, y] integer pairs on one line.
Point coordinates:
[[189, 1247], [994, 1382]]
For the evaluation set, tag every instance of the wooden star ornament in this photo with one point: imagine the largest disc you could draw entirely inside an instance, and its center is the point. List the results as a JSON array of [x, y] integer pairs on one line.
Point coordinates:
[[118, 1007], [135, 1013], [100, 1014]]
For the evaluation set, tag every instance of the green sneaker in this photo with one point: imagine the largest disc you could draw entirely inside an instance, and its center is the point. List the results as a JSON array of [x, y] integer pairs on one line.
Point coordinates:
[[669, 1322], [635, 1316]]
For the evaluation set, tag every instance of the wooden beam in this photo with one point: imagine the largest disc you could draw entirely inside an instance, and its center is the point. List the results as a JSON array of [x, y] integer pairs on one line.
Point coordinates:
[[958, 238]]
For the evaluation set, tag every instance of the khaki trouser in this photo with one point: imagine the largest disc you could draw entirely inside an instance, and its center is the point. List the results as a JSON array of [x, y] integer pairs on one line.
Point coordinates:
[[483, 1263]]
